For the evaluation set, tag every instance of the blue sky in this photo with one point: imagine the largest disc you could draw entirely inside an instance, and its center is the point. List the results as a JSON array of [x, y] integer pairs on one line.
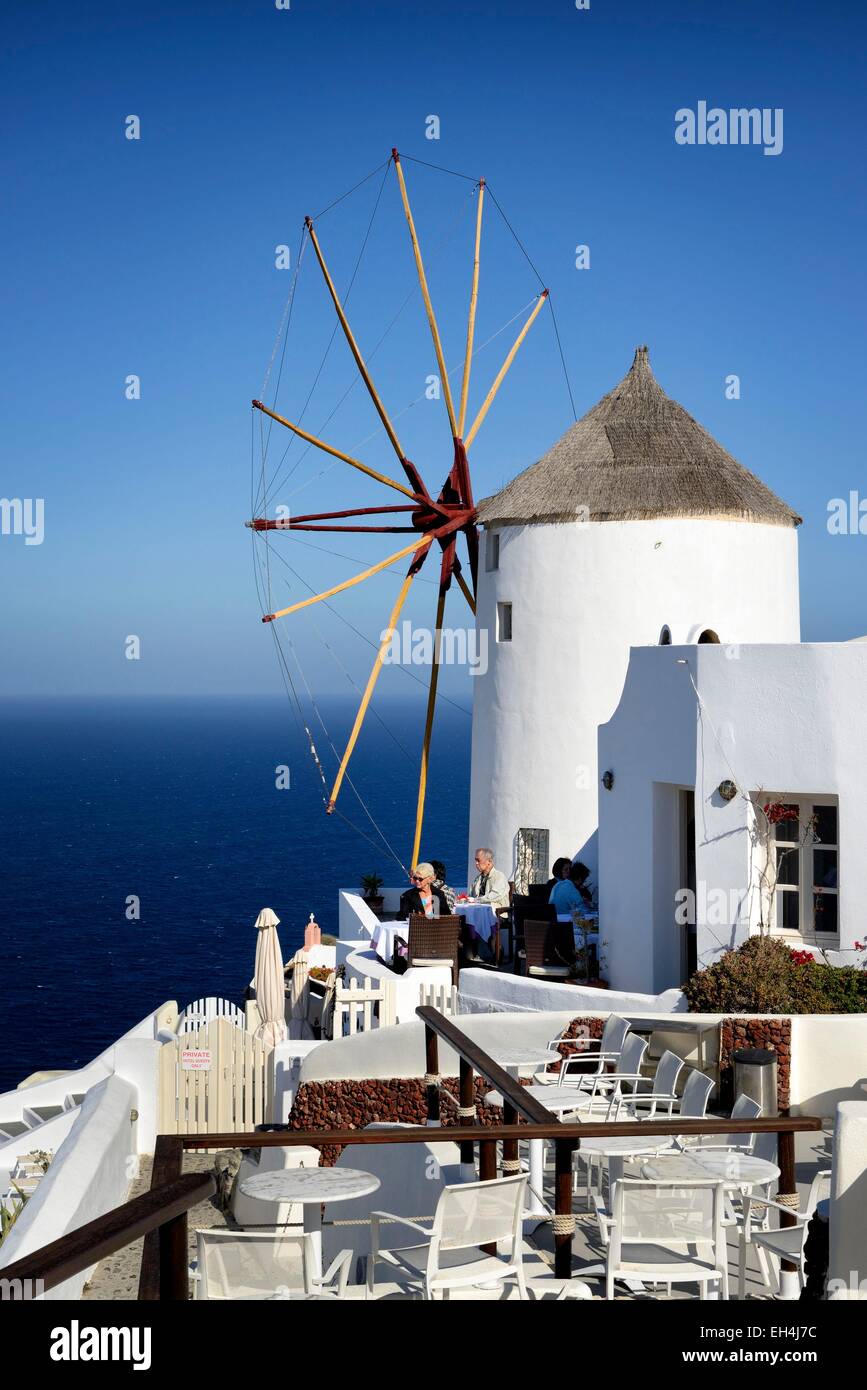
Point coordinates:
[[156, 257]]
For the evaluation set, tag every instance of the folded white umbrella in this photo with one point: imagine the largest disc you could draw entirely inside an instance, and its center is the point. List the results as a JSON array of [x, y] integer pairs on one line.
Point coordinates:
[[268, 979], [299, 996]]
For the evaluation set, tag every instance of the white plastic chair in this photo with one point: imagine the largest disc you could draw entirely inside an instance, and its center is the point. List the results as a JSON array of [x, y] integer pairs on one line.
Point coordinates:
[[783, 1242], [665, 1233], [658, 1092], [614, 1035], [744, 1108], [605, 1086], [448, 1256], [691, 1105], [245, 1265]]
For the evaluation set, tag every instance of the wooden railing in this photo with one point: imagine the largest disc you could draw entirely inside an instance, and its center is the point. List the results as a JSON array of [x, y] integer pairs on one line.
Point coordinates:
[[162, 1210], [160, 1215]]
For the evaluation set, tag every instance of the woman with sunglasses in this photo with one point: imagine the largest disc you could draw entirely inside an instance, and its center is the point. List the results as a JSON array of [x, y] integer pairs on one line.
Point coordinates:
[[423, 896]]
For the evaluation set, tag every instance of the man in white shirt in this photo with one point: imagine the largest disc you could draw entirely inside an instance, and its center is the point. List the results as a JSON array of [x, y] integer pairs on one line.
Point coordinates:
[[489, 885]]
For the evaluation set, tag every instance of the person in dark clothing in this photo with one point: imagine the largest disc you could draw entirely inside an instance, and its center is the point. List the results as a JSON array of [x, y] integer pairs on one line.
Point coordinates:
[[423, 896], [559, 870]]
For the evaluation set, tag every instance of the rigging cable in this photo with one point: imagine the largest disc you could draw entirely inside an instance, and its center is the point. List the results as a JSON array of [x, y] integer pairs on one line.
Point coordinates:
[[325, 355], [413, 291]]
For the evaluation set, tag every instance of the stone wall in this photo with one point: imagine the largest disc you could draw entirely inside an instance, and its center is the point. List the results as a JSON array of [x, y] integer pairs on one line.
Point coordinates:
[[354, 1104], [772, 1033]]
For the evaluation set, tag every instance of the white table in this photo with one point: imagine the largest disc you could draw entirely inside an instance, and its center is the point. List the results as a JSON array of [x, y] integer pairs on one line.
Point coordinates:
[[619, 1148], [735, 1170], [385, 935], [311, 1187], [516, 1058], [557, 1099], [480, 918], [513, 1061]]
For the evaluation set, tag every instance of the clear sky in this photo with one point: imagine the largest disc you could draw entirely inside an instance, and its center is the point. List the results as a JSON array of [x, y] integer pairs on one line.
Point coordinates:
[[156, 257]]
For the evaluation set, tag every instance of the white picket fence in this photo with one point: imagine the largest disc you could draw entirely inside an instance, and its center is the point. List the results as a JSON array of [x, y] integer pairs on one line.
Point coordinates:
[[442, 997], [365, 1004], [215, 1080]]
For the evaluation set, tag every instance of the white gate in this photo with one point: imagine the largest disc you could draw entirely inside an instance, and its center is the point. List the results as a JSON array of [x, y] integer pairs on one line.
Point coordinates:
[[354, 1006], [215, 1080]]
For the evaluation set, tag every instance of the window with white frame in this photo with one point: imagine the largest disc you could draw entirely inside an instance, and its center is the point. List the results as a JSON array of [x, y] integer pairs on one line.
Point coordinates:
[[803, 871], [504, 622]]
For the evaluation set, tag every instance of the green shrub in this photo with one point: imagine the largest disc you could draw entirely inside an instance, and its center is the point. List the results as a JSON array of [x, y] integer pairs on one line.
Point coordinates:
[[763, 976]]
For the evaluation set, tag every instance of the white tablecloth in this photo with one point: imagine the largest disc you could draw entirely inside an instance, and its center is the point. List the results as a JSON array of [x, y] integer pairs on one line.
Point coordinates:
[[481, 917], [384, 936]]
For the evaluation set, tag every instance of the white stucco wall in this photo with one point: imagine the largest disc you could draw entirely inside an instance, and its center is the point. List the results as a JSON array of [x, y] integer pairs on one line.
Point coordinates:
[[89, 1176], [847, 1263], [488, 991], [784, 718], [581, 595]]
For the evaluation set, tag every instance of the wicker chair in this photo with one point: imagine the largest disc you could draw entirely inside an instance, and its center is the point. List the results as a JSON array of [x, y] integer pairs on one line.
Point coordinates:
[[550, 949], [434, 940], [524, 909]]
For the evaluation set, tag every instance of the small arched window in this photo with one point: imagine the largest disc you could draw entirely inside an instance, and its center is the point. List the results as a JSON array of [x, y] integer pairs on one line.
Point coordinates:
[[665, 636], [708, 636]]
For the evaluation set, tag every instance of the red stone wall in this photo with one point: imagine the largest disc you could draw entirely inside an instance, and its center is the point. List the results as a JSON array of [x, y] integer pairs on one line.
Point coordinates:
[[772, 1033], [354, 1104]]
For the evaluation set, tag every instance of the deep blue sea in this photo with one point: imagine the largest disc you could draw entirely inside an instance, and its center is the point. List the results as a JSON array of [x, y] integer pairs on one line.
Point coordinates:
[[175, 801]]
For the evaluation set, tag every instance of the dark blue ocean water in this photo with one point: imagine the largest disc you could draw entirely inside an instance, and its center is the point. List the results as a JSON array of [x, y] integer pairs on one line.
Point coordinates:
[[174, 801]]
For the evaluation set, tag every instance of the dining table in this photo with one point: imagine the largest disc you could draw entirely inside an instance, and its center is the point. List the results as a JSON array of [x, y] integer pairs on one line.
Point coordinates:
[[310, 1188], [479, 917], [481, 920]]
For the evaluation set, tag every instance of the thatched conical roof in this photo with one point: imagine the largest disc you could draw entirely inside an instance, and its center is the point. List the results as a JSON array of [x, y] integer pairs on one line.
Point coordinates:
[[637, 454]]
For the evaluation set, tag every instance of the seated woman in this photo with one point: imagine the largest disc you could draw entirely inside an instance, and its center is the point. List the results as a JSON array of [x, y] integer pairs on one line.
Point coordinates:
[[423, 896], [559, 871], [572, 892]]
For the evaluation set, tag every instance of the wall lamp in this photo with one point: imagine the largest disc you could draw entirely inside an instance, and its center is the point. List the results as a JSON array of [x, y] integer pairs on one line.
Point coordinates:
[[608, 780]]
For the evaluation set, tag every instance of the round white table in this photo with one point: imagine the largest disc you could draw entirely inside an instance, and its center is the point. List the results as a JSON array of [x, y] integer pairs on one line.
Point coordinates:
[[737, 1171], [618, 1148], [557, 1099], [516, 1058], [730, 1167], [310, 1188]]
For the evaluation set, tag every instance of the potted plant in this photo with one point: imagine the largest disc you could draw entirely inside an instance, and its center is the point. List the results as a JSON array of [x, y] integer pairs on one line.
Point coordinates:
[[371, 884]]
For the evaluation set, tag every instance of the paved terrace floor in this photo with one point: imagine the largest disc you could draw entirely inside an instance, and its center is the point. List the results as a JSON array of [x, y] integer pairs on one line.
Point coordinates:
[[116, 1278]]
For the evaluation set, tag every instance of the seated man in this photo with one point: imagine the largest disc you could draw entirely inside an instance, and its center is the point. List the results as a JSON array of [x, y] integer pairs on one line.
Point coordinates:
[[490, 885]]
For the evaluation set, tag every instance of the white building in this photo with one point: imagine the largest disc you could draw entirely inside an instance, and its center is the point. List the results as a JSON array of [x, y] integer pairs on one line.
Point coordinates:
[[636, 528], [781, 725]]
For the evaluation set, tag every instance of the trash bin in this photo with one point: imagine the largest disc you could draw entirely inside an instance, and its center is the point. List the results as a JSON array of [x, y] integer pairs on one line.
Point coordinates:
[[756, 1076]]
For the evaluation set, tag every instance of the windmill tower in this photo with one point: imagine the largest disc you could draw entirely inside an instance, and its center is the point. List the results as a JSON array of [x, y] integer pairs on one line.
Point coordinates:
[[635, 528]]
